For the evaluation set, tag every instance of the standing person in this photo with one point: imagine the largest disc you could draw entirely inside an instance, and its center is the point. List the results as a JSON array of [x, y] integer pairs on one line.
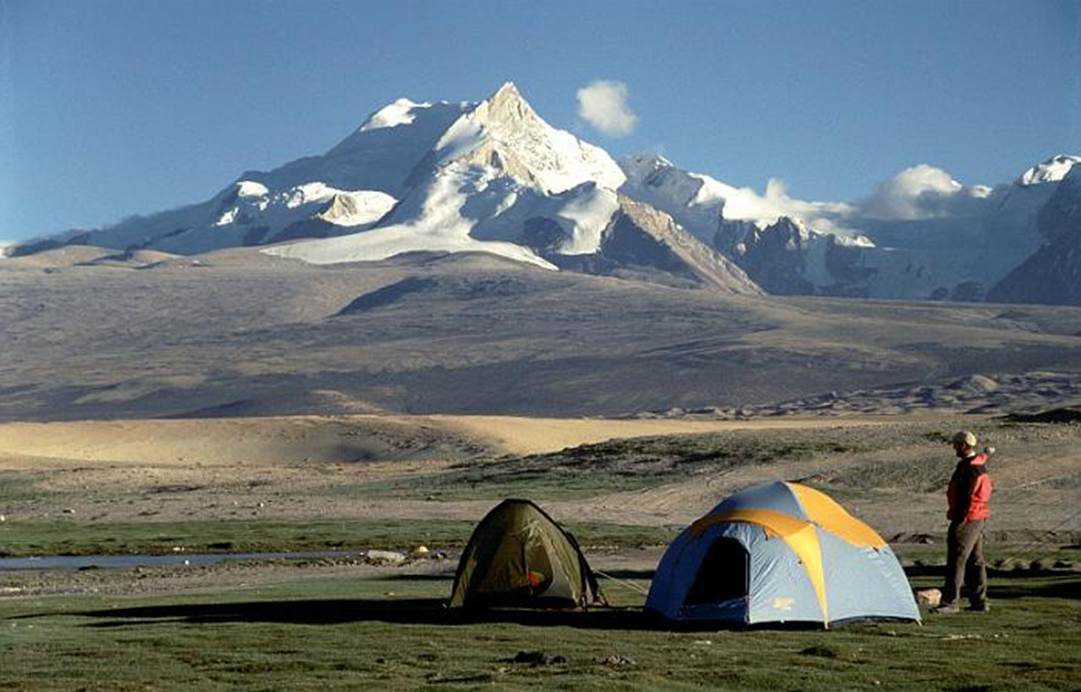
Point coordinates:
[[967, 496]]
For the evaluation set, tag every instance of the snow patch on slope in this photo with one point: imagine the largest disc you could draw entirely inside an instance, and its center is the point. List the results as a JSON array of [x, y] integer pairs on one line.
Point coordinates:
[[1052, 170], [250, 188], [588, 214], [438, 226], [392, 115], [315, 199]]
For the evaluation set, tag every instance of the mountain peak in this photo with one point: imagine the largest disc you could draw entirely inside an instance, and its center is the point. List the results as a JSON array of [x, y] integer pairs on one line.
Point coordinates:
[[508, 105], [504, 134], [1052, 170], [507, 90]]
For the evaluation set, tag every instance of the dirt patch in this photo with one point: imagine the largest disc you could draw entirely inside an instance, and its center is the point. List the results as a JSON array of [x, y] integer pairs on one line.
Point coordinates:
[[889, 472]]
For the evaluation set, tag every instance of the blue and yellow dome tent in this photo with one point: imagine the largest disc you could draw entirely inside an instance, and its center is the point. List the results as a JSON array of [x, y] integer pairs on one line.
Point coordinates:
[[780, 552]]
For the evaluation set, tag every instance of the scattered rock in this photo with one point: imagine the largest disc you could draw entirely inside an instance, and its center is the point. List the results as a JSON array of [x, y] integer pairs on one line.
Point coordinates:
[[618, 661], [929, 598], [385, 557]]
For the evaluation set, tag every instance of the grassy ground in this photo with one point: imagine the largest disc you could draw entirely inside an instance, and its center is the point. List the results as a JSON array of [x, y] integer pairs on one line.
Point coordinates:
[[19, 539], [339, 633]]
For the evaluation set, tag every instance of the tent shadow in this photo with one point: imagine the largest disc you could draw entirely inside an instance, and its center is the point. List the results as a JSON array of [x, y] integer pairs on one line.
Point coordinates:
[[420, 611]]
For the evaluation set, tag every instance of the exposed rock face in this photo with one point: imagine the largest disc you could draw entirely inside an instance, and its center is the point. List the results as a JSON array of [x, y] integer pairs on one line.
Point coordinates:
[[693, 201], [786, 258], [641, 236], [774, 257], [1052, 274]]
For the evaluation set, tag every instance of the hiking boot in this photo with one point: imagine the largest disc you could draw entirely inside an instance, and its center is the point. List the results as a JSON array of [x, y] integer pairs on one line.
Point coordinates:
[[947, 609], [983, 607]]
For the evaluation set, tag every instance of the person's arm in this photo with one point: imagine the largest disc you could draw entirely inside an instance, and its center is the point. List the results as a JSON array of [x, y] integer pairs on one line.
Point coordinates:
[[981, 494]]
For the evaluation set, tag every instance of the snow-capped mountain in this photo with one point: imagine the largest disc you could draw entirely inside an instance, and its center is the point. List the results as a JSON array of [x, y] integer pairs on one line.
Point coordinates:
[[501, 180], [491, 176], [920, 235], [1052, 274], [697, 201]]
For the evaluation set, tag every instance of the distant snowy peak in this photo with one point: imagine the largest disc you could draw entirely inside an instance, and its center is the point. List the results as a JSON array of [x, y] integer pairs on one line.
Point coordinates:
[[652, 175], [505, 133], [700, 203], [1052, 170]]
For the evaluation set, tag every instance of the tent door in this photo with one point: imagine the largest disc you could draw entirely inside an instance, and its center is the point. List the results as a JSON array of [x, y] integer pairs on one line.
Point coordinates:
[[724, 574]]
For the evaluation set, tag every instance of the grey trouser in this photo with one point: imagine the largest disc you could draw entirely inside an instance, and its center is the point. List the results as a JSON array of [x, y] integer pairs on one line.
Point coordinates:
[[965, 563]]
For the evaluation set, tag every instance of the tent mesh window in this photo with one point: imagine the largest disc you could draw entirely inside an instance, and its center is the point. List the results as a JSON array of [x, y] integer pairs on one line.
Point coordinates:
[[723, 575]]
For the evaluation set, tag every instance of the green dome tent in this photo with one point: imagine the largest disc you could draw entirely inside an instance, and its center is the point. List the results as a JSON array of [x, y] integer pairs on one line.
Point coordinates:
[[519, 556]]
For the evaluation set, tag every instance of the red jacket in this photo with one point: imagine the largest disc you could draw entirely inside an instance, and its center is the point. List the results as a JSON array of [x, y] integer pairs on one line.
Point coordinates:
[[969, 491]]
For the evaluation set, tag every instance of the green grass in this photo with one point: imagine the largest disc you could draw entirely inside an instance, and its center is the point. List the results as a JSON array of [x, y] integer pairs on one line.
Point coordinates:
[[68, 537], [342, 633]]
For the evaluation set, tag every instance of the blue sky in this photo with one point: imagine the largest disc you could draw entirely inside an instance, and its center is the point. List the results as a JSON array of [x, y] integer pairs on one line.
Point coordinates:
[[110, 108]]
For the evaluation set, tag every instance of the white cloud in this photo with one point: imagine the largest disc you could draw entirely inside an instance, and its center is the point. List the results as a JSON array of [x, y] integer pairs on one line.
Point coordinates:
[[916, 193], [746, 204], [921, 192], [603, 104]]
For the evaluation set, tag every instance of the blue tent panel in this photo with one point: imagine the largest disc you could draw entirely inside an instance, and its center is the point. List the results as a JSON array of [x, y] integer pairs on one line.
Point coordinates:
[[774, 496], [864, 582]]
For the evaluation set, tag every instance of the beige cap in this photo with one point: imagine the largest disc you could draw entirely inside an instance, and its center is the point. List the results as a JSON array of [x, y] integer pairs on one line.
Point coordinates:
[[966, 438]]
